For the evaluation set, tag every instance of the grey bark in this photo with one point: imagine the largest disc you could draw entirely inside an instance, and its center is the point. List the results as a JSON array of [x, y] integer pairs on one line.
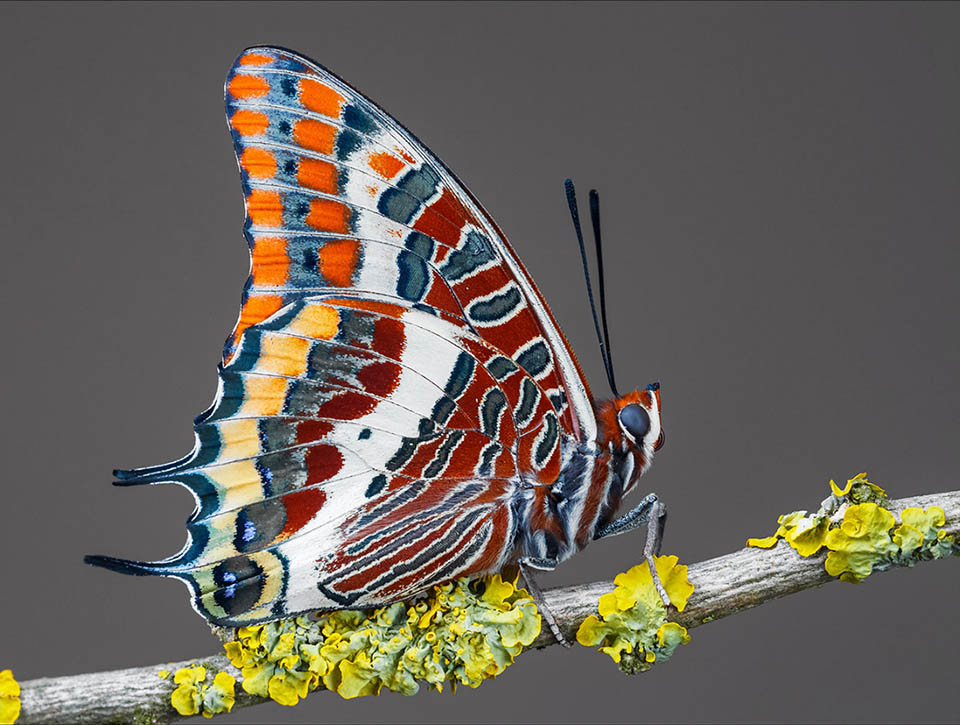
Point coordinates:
[[723, 586]]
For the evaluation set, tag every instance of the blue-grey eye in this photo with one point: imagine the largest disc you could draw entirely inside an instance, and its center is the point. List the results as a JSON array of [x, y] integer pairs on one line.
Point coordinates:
[[635, 419]]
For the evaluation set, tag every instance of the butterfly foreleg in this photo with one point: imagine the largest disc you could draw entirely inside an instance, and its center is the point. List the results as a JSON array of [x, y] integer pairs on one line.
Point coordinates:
[[527, 566], [653, 513]]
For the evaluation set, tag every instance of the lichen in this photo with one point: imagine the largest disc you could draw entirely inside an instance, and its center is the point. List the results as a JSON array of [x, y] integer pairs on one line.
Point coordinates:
[[859, 532], [9, 698], [860, 541], [633, 627], [193, 696], [463, 633]]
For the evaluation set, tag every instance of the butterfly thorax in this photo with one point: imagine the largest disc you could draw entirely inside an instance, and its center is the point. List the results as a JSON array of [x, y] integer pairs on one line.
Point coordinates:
[[557, 521]]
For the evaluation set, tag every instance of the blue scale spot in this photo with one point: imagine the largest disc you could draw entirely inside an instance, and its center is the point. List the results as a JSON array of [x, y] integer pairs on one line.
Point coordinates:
[[420, 244], [549, 439], [364, 434], [304, 269], [426, 308], [496, 307], [501, 367], [358, 119], [241, 582], [463, 262], [289, 86], [347, 142], [420, 183], [460, 375], [398, 206], [249, 531], [494, 403], [528, 401], [376, 485], [413, 277], [284, 128], [535, 358]]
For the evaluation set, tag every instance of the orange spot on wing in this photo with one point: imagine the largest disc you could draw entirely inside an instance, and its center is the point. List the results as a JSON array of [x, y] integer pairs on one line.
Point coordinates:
[[265, 208], [328, 216], [258, 163], [317, 174], [256, 309], [283, 355], [320, 98], [406, 157], [315, 135], [338, 261], [255, 59], [270, 262], [263, 396], [249, 123], [247, 86], [387, 165], [316, 321]]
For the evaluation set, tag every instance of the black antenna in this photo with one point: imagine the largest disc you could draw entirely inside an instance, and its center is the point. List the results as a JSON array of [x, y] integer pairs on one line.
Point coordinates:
[[575, 215], [595, 219]]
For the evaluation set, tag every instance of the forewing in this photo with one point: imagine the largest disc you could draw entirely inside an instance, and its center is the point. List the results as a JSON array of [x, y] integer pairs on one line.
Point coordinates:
[[339, 195]]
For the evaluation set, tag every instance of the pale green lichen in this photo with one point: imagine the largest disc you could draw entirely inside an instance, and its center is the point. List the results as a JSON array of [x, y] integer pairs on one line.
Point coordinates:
[[193, 696], [9, 698], [859, 532], [633, 627], [464, 632]]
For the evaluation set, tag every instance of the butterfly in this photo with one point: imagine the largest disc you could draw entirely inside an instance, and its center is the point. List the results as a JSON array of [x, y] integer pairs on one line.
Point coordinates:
[[396, 406]]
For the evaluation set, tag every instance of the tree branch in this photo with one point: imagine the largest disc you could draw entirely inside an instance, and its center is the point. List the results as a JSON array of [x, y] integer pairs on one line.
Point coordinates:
[[723, 586]]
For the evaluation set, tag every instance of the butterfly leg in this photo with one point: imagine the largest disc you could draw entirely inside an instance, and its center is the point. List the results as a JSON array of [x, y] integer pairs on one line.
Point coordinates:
[[527, 565], [653, 513]]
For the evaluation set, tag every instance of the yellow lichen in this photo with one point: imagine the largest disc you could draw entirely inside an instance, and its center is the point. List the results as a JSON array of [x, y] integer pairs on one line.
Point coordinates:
[[859, 490], [767, 542], [861, 541], [806, 534], [192, 696], [186, 697], [856, 530], [219, 696], [632, 627], [464, 632], [9, 698]]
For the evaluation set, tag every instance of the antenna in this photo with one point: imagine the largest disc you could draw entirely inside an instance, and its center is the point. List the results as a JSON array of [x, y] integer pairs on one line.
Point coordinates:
[[595, 216], [595, 219]]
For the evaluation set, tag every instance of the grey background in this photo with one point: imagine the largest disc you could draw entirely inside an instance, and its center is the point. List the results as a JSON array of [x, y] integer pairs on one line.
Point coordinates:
[[780, 188]]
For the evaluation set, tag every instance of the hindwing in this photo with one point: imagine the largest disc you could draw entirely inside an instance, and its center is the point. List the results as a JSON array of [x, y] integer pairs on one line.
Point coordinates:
[[357, 451]]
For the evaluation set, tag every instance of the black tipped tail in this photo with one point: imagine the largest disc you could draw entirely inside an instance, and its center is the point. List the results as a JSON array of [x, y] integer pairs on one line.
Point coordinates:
[[123, 566]]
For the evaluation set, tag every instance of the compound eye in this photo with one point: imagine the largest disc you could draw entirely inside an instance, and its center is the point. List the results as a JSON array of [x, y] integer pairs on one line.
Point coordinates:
[[635, 419]]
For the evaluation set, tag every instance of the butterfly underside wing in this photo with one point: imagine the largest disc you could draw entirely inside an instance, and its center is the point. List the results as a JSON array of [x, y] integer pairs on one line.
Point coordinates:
[[394, 378]]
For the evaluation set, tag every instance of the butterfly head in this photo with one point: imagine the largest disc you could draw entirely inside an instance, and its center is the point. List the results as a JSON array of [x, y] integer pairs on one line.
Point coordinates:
[[638, 414]]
